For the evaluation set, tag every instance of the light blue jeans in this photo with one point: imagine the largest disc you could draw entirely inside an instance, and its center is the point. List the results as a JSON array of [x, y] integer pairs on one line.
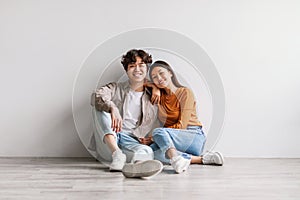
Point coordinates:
[[187, 142], [126, 141]]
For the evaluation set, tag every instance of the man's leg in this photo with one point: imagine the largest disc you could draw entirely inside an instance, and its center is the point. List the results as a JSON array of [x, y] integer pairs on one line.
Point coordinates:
[[134, 150], [142, 164], [106, 141]]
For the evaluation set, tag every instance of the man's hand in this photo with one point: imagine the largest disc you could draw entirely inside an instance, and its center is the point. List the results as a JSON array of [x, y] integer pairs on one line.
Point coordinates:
[[116, 120], [146, 140]]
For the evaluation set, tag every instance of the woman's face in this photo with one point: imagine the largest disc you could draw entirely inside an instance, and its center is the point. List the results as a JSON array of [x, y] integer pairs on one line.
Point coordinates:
[[161, 77]]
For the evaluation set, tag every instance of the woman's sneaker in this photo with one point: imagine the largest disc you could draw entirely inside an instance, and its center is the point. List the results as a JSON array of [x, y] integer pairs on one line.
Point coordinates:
[[180, 164], [142, 169], [118, 161], [213, 158]]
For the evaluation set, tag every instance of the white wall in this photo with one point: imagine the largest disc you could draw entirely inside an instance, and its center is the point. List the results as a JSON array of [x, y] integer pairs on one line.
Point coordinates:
[[255, 46]]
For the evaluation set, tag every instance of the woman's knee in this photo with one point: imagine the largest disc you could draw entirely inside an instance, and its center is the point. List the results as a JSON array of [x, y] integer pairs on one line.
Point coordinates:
[[158, 131]]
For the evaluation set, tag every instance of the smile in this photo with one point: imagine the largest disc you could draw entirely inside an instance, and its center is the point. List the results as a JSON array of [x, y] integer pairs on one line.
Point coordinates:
[[162, 82], [137, 74]]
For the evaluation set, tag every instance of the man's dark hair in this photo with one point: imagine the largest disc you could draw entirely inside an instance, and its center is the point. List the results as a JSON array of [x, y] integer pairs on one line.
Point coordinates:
[[130, 57]]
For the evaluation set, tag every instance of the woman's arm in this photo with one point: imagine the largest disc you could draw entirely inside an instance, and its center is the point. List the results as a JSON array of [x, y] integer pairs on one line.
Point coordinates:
[[155, 95]]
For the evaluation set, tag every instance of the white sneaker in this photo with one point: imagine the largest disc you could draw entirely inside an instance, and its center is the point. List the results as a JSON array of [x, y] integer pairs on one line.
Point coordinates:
[[213, 158], [180, 164], [142, 169], [118, 161]]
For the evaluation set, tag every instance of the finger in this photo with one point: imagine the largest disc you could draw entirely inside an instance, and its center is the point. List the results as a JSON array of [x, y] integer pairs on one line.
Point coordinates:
[[146, 142], [158, 100], [152, 100], [116, 125], [143, 140], [119, 125], [155, 99], [113, 124], [121, 122]]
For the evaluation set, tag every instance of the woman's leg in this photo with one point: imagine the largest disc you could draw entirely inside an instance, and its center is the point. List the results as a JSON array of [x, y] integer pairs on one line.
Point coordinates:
[[171, 141], [158, 155], [196, 160], [188, 142]]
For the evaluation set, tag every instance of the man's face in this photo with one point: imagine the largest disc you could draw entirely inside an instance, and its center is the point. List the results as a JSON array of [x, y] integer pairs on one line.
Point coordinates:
[[137, 71]]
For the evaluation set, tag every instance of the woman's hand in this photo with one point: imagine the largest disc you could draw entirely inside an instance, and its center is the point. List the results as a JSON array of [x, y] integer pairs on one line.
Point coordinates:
[[146, 140], [116, 120], [155, 97]]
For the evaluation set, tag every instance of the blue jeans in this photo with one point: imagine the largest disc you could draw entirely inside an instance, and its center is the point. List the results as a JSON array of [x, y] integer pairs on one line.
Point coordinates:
[[126, 141], [187, 142]]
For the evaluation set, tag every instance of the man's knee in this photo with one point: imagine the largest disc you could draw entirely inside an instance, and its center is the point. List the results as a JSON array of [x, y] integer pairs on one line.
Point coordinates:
[[143, 153], [146, 149], [102, 123], [103, 117]]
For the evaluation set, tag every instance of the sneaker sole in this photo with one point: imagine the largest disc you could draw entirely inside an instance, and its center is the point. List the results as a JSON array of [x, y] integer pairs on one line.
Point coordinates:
[[115, 170], [145, 169]]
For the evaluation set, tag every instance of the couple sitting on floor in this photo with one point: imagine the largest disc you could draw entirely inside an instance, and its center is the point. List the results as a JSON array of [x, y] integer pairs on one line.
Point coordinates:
[[140, 124]]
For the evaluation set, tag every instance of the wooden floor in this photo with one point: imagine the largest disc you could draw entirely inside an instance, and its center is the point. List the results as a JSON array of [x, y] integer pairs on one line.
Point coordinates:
[[84, 178]]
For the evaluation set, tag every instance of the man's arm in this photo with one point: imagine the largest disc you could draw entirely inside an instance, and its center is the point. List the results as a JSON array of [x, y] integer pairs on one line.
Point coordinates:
[[102, 99]]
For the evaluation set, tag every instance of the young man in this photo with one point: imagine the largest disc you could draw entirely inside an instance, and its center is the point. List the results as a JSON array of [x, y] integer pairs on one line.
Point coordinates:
[[123, 117]]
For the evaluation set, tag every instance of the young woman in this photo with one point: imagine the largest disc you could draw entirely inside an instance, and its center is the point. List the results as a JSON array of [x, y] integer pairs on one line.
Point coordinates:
[[181, 140]]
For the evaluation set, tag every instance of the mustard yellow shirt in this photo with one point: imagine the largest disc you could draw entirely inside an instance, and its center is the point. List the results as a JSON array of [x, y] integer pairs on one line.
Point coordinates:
[[178, 110]]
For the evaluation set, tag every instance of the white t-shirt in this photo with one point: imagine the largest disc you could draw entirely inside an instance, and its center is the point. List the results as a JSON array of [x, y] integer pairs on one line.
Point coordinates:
[[133, 110]]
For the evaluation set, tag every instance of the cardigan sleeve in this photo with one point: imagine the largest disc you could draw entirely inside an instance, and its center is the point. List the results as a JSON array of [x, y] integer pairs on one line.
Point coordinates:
[[103, 97]]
